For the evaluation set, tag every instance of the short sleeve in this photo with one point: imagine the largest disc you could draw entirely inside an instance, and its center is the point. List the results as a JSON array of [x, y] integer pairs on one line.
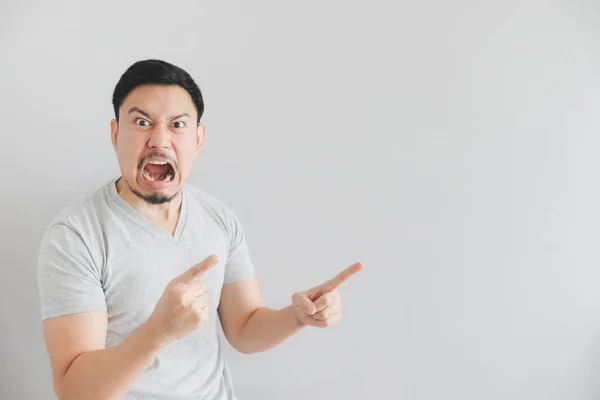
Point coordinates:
[[239, 263], [68, 280]]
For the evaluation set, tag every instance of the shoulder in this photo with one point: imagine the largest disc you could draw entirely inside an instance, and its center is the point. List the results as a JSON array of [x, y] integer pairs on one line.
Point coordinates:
[[80, 213], [79, 225], [76, 233], [71, 242]]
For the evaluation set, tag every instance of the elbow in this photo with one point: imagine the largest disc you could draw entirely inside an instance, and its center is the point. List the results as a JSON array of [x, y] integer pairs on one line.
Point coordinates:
[[60, 389], [241, 347], [63, 393], [64, 390], [248, 347], [244, 351], [239, 338], [247, 350]]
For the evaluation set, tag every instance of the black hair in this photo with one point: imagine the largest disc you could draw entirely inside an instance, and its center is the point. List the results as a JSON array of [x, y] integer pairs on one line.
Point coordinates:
[[148, 72]]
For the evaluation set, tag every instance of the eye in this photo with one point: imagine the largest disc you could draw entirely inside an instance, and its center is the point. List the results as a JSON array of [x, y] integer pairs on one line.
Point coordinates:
[[178, 124], [142, 122]]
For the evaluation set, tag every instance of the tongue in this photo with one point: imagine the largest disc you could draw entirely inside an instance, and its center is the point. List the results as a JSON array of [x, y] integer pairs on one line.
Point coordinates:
[[158, 172]]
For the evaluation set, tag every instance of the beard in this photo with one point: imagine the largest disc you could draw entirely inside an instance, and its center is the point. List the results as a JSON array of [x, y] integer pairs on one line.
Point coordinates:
[[154, 198]]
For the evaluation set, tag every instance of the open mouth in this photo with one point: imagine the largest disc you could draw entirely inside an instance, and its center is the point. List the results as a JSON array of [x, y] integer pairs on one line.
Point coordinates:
[[158, 171]]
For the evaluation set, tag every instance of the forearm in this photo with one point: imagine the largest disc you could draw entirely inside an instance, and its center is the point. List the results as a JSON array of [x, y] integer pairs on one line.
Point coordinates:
[[110, 373], [267, 328]]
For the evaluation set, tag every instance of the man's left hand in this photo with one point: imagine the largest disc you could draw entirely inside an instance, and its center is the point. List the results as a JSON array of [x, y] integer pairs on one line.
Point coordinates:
[[321, 306]]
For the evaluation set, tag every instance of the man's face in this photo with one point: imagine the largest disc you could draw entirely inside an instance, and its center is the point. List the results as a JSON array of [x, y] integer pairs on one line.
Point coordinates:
[[156, 140]]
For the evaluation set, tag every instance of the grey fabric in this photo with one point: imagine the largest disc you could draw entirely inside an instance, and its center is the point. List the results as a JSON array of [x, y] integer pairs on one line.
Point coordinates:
[[100, 253]]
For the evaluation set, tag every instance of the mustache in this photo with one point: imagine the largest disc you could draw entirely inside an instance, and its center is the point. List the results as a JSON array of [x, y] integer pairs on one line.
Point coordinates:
[[157, 154]]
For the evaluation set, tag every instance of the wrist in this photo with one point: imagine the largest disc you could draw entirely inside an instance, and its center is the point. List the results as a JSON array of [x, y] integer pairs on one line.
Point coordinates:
[[295, 312], [153, 333]]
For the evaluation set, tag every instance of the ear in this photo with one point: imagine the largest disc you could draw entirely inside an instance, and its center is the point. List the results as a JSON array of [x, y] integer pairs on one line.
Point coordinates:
[[201, 134], [114, 131]]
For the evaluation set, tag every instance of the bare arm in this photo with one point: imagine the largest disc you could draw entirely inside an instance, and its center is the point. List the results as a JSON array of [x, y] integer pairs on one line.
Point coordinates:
[[251, 327], [83, 368]]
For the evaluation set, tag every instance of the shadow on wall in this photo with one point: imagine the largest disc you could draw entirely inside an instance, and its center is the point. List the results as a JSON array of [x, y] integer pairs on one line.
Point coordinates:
[[25, 371]]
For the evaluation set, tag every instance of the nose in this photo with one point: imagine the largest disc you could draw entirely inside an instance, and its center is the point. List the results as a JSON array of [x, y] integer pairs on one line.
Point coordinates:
[[160, 137]]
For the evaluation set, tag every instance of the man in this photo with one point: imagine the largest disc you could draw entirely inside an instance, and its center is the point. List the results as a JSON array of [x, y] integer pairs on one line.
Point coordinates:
[[133, 278]]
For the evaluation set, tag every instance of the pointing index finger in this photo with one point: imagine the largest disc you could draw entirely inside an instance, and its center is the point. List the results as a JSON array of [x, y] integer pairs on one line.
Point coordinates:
[[337, 280], [199, 269]]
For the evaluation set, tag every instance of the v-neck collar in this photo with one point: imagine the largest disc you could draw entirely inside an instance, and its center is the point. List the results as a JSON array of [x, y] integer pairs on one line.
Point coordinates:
[[145, 223]]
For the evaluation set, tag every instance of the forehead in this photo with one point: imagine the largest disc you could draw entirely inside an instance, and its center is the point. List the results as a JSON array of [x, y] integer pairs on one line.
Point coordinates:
[[160, 100]]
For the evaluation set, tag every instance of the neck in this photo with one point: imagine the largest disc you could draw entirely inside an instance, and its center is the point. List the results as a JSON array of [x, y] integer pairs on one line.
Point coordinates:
[[164, 215]]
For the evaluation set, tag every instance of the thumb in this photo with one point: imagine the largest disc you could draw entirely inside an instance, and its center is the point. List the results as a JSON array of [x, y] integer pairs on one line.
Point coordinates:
[[305, 305]]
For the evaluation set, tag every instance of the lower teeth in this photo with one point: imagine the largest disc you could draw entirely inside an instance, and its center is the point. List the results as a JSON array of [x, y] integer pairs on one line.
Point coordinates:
[[147, 176], [150, 178]]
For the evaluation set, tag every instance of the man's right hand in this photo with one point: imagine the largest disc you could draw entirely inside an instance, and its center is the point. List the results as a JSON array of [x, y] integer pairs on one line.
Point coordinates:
[[183, 307]]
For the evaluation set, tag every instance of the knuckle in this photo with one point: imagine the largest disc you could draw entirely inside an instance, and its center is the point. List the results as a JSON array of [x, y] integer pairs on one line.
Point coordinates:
[[202, 317], [172, 287], [197, 315], [177, 296]]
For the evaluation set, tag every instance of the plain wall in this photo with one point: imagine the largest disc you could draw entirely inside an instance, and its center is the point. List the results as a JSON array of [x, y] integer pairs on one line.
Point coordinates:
[[450, 146]]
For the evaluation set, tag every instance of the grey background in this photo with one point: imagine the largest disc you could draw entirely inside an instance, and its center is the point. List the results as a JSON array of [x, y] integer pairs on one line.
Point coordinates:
[[451, 146]]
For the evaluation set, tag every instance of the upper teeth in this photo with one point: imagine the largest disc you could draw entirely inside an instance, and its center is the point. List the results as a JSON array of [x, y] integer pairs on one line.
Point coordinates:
[[158, 162]]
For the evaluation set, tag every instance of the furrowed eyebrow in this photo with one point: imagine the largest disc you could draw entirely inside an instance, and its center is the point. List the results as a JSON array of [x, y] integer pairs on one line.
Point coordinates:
[[136, 109], [147, 115], [180, 115]]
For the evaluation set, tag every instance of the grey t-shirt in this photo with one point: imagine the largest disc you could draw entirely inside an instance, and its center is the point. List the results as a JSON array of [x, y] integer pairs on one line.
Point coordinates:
[[101, 254]]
